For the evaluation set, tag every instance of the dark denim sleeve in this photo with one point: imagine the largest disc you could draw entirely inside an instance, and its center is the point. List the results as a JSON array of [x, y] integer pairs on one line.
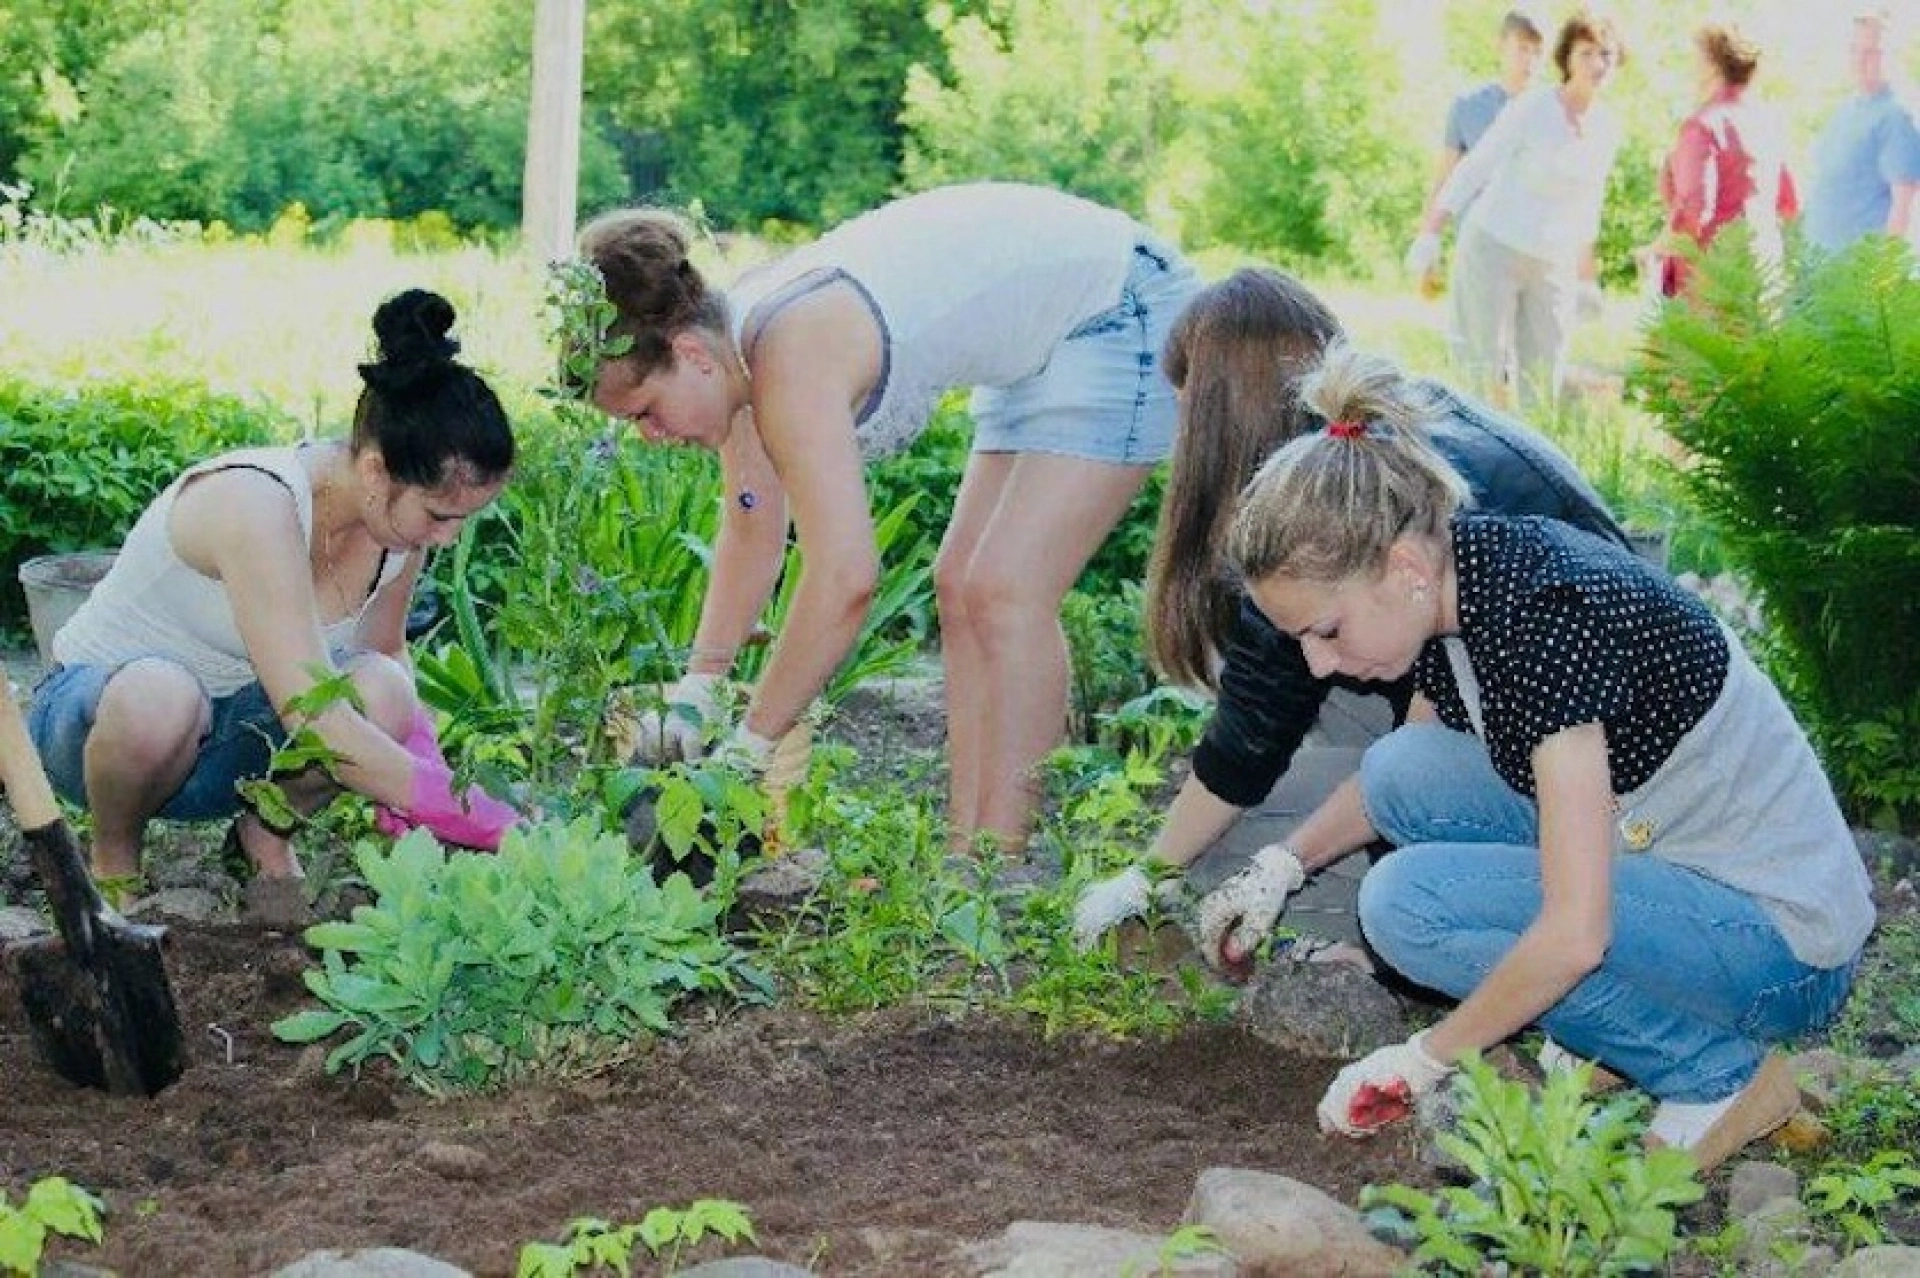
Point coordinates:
[[1268, 701], [1515, 470]]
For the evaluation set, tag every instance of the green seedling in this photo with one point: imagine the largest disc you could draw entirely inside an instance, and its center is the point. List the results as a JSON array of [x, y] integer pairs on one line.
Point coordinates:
[[54, 1205], [1853, 1198], [666, 1232]]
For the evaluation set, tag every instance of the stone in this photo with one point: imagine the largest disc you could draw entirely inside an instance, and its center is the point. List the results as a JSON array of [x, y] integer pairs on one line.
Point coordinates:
[[278, 903], [1043, 1249], [18, 924], [1753, 1184], [1321, 1009], [1770, 1230], [782, 883], [1280, 1228], [185, 904], [745, 1267], [373, 1262], [455, 1161], [1880, 1262]]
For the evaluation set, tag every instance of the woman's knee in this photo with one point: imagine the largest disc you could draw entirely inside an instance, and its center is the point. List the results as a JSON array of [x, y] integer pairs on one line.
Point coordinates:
[[1398, 772], [151, 713]]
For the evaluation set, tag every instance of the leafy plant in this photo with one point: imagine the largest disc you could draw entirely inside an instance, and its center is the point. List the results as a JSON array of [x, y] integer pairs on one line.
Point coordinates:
[[1561, 1184], [554, 958], [54, 1205], [1793, 398], [77, 466], [1885, 1003], [1852, 1198], [595, 1244]]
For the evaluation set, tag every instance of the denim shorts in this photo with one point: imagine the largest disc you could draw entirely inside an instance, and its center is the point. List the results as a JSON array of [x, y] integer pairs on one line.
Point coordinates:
[[240, 741], [1102, 395]]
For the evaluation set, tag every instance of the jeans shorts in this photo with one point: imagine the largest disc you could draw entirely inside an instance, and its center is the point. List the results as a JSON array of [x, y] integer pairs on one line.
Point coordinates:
[[239, 744], [1102, 395]]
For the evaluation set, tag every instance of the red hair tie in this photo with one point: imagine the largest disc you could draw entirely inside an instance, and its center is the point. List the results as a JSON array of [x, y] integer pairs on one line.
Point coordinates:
[[1347, 429]]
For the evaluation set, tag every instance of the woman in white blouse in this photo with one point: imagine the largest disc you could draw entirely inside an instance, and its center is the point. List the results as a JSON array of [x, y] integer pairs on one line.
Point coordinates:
[[1525, 263]]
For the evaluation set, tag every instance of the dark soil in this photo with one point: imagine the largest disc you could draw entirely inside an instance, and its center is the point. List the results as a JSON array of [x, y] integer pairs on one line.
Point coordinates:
[[867, 1146], [862, 1146], [859, 1146]]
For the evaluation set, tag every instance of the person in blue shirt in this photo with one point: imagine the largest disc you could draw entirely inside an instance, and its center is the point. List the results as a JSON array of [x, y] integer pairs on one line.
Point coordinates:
[[1866, 162], [1474, 111]]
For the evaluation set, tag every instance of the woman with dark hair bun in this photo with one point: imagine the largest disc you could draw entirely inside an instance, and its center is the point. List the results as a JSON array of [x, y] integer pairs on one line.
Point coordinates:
[[250, 577]]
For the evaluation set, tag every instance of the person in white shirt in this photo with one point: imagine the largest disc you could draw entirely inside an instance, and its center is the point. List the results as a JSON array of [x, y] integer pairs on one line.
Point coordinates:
[[1525, 265]]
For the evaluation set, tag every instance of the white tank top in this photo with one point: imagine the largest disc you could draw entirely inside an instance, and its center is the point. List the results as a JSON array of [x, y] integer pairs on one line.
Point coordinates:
[[152, 603], [972, 285]]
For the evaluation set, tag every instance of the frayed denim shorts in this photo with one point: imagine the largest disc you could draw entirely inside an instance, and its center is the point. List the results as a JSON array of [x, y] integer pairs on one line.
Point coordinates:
[[1102, 396], [243, 733]]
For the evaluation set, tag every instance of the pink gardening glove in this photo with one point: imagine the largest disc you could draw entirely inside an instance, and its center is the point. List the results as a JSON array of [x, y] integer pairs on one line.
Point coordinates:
[[424, 745], [475, 819]]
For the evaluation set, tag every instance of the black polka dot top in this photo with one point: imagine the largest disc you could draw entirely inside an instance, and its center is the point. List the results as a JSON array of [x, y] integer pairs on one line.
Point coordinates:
[[1565, 629]]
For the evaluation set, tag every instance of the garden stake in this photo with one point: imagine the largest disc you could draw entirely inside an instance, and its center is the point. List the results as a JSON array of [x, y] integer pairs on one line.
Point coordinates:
[[97, 996]]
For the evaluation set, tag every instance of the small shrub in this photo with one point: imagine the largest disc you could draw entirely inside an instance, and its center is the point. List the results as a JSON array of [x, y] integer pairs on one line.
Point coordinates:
[[1794, 401], [552, 958], [77, 466], [1561, 1184], [1852, 1198]]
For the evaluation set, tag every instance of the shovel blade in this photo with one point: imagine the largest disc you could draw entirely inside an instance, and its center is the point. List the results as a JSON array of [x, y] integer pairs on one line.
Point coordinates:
[[110, 1024]]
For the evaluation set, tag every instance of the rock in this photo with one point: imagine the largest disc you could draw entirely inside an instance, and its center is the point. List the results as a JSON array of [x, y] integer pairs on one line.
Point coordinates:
[[784, 882], [19, 924], [1322, 1009], [1888, 855], [374, 1262], [1042, 1249], [1754, 1184], [185, 904], [745, 1267], [279, 903], [1821, 1073], [1880, 1262], [1279, 1228], [454, 1161], [1771, 1230]]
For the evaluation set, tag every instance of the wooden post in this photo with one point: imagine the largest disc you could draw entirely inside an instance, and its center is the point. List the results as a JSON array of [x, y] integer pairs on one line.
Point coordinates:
[[550, 190]]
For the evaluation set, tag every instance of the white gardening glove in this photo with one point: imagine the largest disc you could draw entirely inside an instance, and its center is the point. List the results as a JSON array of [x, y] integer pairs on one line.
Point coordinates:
[[744, 751], [1423, 256], [678, 730], [1106, 903], [1379, 1088], [1236, 916]]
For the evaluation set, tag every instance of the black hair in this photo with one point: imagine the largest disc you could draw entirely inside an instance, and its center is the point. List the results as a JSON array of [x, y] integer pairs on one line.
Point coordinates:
[[434, 420]]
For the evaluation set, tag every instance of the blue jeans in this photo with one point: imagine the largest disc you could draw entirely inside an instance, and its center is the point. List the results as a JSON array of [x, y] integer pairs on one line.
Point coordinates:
[[241, 737], [1697, 982]]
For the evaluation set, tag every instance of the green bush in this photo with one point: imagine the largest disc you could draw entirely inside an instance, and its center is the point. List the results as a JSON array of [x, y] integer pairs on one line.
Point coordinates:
[[1796, 404], [551, 959], [77, 466]]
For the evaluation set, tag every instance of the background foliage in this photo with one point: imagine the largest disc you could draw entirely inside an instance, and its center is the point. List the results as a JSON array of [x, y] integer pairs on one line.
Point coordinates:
[[1300, 130]]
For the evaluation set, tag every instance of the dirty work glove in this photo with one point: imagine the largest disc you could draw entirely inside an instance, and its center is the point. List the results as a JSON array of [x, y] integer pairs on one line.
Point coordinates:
[[743, 751], [423, 743], [1423, 256], [1236, 916], [677, 731], [475, 819], [1379, 1088], [1106, 903]]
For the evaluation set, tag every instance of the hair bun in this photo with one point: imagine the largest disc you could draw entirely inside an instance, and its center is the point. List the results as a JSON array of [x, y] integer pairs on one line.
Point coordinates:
[[416, 347]]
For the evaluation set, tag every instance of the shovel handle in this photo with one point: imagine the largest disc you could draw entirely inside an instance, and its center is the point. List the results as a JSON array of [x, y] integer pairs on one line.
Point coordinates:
[[26, 780]]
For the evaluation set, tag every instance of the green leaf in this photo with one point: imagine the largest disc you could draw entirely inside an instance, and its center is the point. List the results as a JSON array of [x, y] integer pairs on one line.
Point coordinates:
[[309, 1026]]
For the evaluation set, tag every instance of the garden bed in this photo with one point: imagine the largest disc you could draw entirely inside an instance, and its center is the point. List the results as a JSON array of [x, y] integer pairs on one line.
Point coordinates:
[[874, 1144], [870, 1145]]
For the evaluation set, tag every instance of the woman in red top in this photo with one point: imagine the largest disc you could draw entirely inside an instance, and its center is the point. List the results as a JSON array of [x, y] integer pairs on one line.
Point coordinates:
[[1726, 164]]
